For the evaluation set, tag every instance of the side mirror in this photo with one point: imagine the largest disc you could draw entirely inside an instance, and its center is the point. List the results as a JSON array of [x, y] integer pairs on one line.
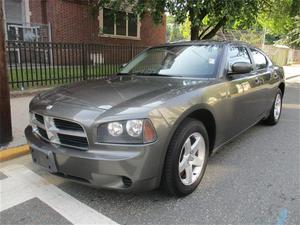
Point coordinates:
[[241, 68]]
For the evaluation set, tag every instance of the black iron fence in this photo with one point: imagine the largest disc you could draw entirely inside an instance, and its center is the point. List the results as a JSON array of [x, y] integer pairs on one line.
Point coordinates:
[[36, 64]]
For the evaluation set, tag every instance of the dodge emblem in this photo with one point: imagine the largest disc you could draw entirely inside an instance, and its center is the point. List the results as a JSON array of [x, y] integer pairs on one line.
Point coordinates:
[[49, 107]]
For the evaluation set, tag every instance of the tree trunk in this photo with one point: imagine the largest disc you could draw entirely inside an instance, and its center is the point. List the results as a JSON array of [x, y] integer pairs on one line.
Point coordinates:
[[195, 33], [5, 117], [195, 28], [213, 32], [204, 31]]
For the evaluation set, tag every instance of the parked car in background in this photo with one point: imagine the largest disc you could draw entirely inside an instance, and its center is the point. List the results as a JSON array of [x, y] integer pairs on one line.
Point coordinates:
[[158, 120]]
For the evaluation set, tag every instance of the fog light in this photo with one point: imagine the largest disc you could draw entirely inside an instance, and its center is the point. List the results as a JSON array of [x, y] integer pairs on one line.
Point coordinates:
[[127, 181]]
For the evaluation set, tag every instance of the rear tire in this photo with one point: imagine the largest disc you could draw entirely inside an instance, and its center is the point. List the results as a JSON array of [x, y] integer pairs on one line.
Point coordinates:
[[186, 158], [276, 109]]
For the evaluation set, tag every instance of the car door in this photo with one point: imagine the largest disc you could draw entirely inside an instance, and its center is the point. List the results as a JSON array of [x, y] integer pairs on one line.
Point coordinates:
[[245, 93], [264, 71]]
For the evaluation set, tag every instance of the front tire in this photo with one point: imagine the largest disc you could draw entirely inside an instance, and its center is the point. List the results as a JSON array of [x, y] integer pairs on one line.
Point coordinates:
[[186, 158], [275, 112]]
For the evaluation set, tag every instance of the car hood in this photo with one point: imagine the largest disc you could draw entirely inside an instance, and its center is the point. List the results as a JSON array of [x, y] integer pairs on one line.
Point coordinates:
[[120, 91]]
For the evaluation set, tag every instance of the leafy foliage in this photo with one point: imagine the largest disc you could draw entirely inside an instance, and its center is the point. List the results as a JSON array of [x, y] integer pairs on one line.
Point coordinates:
[[173, 30], [185, 29], [277, 20], [176, 31], [293, 37], [206, 17], [281, 22]]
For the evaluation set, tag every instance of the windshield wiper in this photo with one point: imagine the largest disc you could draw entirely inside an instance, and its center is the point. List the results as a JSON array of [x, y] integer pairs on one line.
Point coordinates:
[[149, 74], [157, 75], [126, 74], [123, 73]]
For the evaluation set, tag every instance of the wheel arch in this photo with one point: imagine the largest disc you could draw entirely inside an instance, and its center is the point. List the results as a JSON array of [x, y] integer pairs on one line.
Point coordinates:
[[206, 116], [200, 113], [282, 87]]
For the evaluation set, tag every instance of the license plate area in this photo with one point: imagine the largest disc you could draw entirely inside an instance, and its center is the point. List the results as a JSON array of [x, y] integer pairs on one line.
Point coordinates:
[[45, 159]]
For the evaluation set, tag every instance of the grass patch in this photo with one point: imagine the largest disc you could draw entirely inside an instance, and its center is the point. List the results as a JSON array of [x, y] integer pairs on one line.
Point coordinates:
[[45, 76]]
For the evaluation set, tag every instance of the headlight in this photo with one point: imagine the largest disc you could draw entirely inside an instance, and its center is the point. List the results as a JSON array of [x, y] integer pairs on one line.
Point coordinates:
[[134, 127], [127, 132], [115, 129]]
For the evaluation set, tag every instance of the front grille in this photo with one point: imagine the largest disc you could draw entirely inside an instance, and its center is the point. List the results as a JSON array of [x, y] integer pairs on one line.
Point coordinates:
[[39, 118], [67, 125], [73, 140], [63, 132], [43, 133]]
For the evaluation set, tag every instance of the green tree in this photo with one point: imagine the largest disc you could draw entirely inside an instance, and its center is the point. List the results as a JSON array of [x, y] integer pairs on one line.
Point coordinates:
[[281, 22], [293, 36], [278, 19], [176, 31], [185, 28], [294, 33], [173, 29], [206, 17]]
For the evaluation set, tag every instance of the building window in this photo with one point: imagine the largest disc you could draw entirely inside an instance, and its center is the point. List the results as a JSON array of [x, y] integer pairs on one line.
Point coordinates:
[[108, 22], [120, 24], [132, 25]]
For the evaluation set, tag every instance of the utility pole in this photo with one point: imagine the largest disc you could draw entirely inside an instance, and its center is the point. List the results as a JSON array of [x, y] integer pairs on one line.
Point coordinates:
[[5, 116]]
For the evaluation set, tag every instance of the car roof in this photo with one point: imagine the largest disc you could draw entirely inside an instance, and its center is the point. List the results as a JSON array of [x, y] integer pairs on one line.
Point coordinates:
[[206, 42]]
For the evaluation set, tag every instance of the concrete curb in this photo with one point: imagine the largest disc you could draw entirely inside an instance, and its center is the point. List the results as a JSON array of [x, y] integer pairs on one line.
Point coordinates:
[[291, 77], [13, 152], [29, 92]]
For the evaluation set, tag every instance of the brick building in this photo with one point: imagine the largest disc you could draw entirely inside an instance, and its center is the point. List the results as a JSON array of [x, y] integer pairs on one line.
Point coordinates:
[[72, 21]]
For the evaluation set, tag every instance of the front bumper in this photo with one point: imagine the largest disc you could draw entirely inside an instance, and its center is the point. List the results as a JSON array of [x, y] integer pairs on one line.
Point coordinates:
[[122, 167]]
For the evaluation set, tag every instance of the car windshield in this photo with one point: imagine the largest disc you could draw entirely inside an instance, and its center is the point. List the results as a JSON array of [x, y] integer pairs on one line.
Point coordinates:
[[199, 61]]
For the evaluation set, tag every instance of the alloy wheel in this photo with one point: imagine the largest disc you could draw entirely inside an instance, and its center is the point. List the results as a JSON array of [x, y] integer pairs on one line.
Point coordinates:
[[191, 159], [277, 106]]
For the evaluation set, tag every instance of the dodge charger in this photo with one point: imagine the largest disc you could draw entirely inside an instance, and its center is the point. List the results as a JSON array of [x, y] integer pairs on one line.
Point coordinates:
[[158, 120]]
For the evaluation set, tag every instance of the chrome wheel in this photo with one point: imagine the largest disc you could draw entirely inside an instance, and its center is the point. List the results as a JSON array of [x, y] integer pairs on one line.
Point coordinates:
[[191, 159], [277, 106]]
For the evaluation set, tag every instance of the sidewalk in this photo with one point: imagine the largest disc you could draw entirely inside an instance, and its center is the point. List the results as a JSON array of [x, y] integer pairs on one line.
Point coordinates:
[[20, 116], [20, 119], [292, 71]]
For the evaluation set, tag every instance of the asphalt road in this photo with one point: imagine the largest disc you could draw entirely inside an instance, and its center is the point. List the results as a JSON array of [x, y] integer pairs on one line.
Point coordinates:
[[255, 179]]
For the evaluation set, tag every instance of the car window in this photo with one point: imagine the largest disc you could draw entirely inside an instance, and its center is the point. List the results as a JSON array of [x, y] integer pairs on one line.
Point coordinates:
[[237, 54], [259, 59]]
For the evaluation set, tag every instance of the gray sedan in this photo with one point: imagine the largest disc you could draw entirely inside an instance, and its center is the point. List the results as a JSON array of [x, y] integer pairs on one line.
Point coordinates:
[[156, 122]]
